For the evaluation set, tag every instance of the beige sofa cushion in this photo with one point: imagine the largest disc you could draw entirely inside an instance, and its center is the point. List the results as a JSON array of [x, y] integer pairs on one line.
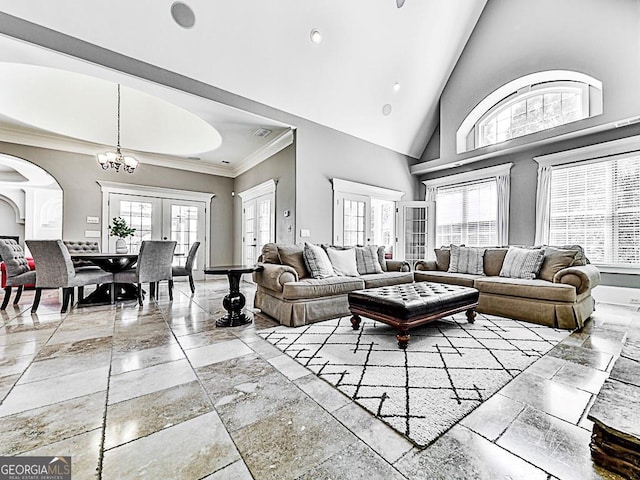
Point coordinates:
[[292, 255], [517, 287], [493, 259], [464, 279], [374, 280], [555, 259], [270, 253], [443, 257], [320, 287]]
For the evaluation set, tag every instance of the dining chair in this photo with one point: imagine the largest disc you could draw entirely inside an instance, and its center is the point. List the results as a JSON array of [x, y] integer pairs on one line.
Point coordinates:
[[153, 266], [82, 246], [187, 270], [17, 268], [56, 270]]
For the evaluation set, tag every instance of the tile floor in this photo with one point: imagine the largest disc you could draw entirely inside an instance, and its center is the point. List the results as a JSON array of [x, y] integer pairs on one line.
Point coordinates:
[[160, 392]]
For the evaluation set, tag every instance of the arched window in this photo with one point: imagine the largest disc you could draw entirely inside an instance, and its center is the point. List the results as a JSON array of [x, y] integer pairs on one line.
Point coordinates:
[[530, 104]]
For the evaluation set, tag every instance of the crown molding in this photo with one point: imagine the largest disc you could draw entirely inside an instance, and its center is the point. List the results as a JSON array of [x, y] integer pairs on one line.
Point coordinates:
[[54, 142], [278, 144]]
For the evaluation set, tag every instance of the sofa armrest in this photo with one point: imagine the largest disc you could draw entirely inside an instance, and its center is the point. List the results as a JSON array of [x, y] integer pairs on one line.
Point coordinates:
[[398, 266], [426, 265], [584, 277], [274, 276]]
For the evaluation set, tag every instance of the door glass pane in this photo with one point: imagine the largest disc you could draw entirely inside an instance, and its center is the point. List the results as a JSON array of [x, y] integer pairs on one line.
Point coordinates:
[[415, 238], [354, 222], [250, 238], [184, 231], [264, 224], [138, 216], [382, 223]]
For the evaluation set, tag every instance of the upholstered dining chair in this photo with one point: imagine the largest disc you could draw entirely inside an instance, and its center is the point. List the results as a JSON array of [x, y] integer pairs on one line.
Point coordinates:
[[153, 266], [17, 268], [187, 270], [56, 270]]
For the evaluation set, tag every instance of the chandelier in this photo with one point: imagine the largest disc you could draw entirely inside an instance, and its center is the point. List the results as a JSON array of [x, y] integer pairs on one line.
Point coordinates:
[[116, 159]]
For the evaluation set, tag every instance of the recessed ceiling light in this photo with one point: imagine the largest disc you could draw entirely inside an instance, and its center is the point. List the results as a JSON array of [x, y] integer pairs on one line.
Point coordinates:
[[225, 162], [386, 109], [396, 87], [316, 36], [183, 15], [399, 3]]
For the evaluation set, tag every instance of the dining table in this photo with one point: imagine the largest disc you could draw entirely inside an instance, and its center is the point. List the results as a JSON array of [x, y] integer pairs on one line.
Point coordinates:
[[113, 263]]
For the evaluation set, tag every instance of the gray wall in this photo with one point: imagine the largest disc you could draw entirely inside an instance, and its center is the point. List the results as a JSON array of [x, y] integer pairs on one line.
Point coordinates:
[[77, 175], [281, 168], [518, 37], [324, 154]]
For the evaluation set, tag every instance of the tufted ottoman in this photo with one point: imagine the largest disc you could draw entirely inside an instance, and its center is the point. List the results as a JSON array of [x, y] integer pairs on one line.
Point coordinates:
[[409, 305]]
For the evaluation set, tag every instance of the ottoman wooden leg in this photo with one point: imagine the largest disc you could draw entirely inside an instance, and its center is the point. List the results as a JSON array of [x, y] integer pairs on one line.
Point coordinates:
[[403, 339], [355, 321], [471, 315]]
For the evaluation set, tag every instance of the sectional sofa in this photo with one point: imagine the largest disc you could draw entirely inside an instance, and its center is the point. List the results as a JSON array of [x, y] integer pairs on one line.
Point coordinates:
[[285, 291], [563, 300]]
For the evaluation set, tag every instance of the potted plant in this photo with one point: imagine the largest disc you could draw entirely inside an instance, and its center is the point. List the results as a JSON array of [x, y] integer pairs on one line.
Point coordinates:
[[120, 229]]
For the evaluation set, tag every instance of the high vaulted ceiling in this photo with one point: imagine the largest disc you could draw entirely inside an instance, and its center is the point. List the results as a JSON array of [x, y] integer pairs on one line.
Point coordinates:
[[262, 50]]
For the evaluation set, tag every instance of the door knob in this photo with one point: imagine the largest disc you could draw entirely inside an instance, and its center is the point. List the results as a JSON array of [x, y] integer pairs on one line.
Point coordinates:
[[164, 238]]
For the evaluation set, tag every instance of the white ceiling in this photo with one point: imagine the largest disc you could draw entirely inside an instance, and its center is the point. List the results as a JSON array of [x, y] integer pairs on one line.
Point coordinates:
[[24, 102], [261, 50]]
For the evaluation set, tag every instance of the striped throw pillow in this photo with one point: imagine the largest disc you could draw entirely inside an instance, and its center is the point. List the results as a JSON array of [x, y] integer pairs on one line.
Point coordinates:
[[522, 263], [317, 261], [466, 260]]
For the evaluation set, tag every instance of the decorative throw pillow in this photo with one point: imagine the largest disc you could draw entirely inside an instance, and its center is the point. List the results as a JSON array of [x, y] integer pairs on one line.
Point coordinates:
[[555, 259], [522, 263], [343, 262], [443, 258], [367, 260], [466, 260], [270, 253], [381, 258], [292, 255], [317, 261], [580, 258]]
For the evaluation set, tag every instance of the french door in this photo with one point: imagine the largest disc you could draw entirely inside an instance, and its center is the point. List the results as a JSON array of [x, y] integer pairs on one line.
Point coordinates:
[[413, 222], [258, 226], [156, 218]]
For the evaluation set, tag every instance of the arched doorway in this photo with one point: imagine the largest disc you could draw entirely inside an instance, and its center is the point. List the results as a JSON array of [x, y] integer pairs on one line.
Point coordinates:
[[30, 201]]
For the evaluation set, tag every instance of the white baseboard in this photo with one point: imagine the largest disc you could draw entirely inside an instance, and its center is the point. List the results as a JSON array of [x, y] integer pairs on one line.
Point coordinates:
[[617, 295]]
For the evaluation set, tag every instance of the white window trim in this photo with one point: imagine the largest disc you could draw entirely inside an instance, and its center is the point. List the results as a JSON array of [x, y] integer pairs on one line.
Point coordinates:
[[263, 188], [497, 171], [508, 89], [590, 154], [158, 192], [346, 186], [472, 176]]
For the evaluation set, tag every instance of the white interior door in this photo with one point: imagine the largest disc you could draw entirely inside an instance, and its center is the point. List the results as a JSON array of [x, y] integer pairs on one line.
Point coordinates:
[[184, 222], [413, 226], [352, 224], [162, 219], [258, 223]]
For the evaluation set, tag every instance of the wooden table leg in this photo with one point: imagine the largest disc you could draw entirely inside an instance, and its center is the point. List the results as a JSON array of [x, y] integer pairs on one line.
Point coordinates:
[[471, 315], [403, 339], [355, 321]]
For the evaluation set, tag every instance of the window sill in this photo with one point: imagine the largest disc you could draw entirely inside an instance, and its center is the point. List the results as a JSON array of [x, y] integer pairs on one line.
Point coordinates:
[[617, 269]]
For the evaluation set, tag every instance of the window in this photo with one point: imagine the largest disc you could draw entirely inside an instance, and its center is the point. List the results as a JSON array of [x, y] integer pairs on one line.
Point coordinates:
[[472, 208], [467, 214], [364, 214], [597, 205], [530, 104]]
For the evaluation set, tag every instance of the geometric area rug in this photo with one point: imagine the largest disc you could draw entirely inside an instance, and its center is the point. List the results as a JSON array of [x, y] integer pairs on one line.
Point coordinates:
[[449, 368]]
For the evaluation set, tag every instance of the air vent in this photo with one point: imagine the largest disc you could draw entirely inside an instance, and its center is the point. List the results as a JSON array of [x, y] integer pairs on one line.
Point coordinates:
[[627, 121], [262, 132], [225, 162]]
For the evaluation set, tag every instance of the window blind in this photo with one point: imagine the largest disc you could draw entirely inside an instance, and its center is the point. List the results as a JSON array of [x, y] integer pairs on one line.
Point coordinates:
[[467, 214], [597, 205]]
